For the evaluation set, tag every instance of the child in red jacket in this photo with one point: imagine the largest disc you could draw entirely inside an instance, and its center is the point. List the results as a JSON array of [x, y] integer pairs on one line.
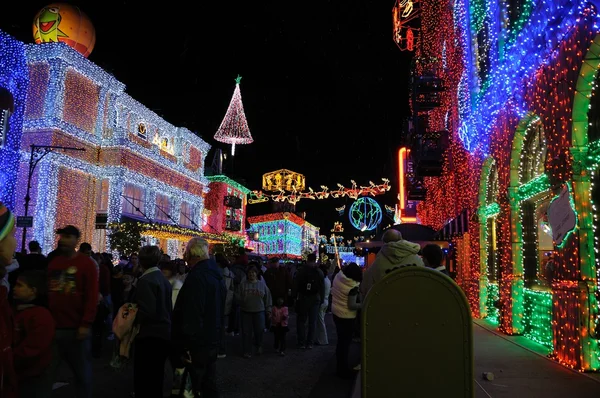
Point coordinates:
[[279, 322], [34, 333]]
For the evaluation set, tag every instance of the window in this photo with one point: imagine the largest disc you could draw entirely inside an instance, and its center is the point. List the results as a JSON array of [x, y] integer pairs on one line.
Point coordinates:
[[186, 218], [133, 200], [163, 210]]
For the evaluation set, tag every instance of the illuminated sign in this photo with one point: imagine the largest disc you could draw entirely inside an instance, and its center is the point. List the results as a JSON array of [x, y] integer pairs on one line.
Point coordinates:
[[407, 208]]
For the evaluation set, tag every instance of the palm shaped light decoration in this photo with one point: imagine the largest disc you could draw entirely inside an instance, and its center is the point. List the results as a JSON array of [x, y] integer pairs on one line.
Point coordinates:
[[234, 127]]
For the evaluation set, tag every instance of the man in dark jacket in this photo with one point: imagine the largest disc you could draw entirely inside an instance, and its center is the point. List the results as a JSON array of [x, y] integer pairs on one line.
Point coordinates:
[[310, 293], [433, 256], [197, 317], [278, 280], [152, 344], [238, 269]]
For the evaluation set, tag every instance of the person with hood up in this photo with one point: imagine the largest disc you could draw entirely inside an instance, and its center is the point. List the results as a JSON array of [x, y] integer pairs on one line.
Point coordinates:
[[394, 253]]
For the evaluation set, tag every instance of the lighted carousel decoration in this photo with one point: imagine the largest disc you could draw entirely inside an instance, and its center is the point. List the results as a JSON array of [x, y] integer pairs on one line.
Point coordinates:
[[404, 19]]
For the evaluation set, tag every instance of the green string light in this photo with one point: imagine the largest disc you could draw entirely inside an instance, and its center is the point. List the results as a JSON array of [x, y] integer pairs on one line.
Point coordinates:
[[537, 317], [491, 210], [517, 25], [532, 188], [493, 313]]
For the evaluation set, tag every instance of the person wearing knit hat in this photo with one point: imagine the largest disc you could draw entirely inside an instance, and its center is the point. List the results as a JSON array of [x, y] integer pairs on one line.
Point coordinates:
[[8, 245]]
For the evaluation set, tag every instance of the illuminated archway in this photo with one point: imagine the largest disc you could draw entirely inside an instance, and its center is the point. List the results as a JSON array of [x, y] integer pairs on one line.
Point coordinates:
[[527, 180], [586, 153], [487, 212]]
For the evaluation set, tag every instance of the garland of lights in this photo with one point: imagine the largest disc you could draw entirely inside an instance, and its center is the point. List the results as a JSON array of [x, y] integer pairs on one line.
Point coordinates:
[[294, 197]]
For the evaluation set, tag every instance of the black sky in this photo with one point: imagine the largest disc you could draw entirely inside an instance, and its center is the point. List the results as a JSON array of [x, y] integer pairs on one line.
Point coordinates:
[[324, 87]]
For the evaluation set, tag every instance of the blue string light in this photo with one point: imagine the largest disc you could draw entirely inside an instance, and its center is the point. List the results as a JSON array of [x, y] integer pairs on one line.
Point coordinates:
[[510, 75], [14, 77]]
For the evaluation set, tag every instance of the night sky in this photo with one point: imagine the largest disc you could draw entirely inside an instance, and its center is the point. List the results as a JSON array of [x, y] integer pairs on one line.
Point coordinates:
[[325, 89]]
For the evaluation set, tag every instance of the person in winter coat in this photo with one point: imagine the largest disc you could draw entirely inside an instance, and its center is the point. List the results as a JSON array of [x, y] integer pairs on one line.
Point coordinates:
[[8, 244], [278, 280], [227, 275], [73, 285], [152, 345], [238, 269], [433, 256], [321, 327], [255, 304], [310, 291], [345, 306], [395, 252], [197, 317], [34, 333]]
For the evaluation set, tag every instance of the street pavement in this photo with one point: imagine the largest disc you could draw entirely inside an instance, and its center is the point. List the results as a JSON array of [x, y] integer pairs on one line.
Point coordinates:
[[523, 372], [300, 374], [520, 369]]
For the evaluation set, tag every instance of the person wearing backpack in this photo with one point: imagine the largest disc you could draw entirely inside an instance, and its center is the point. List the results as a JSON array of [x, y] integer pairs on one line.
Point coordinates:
[[309, 287]]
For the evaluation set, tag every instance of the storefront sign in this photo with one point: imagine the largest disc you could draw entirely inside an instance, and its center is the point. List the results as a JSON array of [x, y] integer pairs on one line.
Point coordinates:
[[561, 216]]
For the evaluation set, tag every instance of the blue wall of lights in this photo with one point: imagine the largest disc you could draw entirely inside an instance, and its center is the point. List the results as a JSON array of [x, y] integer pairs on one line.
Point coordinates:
[[484, 101], [14, 78]]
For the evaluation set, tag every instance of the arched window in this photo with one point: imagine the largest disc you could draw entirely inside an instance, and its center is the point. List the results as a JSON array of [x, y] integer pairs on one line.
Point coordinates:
[[536, 242], [493, 271], [7, 106]]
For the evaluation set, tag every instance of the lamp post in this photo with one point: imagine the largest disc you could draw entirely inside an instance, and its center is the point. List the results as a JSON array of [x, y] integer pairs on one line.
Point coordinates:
[[37, 153]]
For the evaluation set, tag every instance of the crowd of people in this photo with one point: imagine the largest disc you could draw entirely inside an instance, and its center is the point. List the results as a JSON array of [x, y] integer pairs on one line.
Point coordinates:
[[171, 316]]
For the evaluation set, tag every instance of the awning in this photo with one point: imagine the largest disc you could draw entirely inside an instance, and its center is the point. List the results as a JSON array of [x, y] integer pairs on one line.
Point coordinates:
[[170, 231]]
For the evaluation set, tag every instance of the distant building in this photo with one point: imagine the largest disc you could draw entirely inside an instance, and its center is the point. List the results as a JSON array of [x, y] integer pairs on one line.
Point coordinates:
[[281, 235]]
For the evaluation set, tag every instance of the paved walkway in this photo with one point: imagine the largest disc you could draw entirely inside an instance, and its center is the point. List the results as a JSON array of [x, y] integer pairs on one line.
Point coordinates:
[[300, 374], [519, 372]]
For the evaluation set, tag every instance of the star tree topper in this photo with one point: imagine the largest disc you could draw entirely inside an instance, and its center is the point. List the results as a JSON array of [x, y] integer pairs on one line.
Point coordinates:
[[234, 127]]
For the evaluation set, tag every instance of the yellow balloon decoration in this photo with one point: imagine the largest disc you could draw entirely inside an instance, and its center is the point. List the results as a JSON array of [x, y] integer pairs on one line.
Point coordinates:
[[61, 22]]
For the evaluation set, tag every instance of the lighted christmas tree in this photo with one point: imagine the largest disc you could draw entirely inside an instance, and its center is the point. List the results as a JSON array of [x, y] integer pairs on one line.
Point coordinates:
[[234, 127]]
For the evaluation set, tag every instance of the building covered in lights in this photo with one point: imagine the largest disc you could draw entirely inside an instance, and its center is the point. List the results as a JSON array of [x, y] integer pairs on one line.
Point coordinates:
[[284, 235], [225, 207], [120, 160], [14, 78], [503, 93]]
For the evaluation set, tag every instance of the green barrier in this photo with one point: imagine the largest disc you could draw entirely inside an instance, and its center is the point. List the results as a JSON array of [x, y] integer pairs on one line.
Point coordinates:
[[417, 337]]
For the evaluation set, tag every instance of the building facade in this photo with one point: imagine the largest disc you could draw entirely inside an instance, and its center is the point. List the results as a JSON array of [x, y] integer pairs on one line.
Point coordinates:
[[225, 208], [508, 90], [284, 235], [111, 159]]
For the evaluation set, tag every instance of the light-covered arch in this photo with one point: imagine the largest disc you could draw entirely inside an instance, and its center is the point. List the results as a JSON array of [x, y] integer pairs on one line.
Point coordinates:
[[517, 179], [487, 208], [583, 169]]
